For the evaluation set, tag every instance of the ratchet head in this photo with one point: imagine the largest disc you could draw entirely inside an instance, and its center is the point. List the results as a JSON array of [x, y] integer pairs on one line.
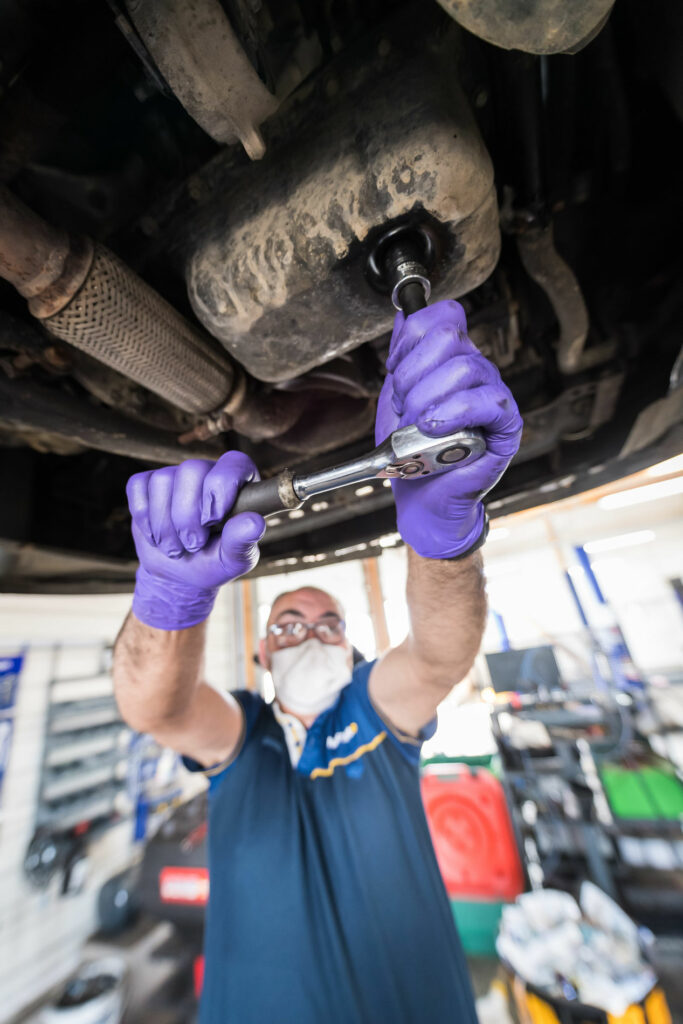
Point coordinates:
[[414, 454]]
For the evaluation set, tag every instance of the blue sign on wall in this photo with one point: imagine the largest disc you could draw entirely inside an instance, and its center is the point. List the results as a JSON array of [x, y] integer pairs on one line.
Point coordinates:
[[6, 728], [10, 669], [9, 680]]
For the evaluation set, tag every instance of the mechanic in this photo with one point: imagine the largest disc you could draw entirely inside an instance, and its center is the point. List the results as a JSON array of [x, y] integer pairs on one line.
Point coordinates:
[[326, 902]]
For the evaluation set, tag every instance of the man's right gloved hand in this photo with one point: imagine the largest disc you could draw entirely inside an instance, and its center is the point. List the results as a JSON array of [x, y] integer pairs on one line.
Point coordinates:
[[182, 566]]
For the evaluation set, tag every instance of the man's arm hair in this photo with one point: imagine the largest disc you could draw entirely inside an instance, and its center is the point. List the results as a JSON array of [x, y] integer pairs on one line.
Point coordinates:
[[159, 690], [447, 607]]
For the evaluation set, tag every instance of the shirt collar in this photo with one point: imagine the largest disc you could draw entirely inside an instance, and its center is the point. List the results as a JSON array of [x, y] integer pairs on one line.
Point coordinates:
[[295, 732]]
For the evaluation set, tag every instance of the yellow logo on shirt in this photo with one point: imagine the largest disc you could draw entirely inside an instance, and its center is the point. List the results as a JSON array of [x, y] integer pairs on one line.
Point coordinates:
[[337, 762]]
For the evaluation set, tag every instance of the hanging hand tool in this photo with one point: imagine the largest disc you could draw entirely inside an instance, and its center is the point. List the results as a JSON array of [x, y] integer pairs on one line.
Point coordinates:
[[407, 453]]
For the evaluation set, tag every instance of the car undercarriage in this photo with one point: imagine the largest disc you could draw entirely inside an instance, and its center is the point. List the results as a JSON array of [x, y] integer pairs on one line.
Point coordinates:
[[193, 197]]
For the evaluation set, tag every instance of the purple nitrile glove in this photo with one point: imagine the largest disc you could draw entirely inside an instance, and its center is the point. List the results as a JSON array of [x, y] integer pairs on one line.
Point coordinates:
[[438, 380], [182, 566]]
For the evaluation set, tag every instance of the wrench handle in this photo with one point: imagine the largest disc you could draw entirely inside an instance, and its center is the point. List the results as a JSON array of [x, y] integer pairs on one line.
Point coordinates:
[[267, 497]]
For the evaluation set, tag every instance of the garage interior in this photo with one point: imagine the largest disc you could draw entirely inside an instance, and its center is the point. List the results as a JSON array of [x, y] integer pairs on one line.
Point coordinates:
[[597, 624], [210, 213]]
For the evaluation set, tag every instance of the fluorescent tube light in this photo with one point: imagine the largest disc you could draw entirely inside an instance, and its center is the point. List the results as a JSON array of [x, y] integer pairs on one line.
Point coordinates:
[[639, 495], [623, 540], [674, 465]]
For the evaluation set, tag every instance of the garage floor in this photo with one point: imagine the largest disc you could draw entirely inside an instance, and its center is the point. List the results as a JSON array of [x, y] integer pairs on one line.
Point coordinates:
[[160, 979], [160, 990]]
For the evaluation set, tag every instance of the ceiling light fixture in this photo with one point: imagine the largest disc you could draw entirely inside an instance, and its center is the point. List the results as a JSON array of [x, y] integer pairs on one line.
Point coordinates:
[[639, 495], [674, 465], [623, 540]]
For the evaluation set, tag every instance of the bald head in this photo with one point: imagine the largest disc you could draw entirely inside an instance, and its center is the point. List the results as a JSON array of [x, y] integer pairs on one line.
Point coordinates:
[[307, 603]]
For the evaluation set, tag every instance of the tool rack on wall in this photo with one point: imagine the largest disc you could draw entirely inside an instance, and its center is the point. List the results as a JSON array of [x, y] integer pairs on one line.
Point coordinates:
[[95, 772], [82, 786], [84, 770], [565, 824]]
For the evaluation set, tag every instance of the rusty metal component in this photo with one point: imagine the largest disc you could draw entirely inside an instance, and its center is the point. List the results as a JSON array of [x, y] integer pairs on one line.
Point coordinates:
[[33, 255], [194, 46], [537, 26], [28, 348], [266, 415], [258, 415], [74, 272], [327, 425], [208, 427], [32, 568], [44, 264], [399, 140], [294, 421], [220, 419], [124, 395], [288, 496], [545, 265], [50, 420], [267, 497], [573, 416]]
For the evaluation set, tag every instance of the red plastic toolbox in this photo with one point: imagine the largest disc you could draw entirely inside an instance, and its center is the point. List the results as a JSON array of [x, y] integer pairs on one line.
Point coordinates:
[[472, 834]]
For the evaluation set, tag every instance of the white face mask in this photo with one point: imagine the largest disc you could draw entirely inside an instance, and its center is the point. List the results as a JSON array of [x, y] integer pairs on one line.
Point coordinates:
[[308, 678]]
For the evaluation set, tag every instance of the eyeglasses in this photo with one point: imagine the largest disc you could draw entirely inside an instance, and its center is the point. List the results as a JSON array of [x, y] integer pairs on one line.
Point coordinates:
[[290, 634]]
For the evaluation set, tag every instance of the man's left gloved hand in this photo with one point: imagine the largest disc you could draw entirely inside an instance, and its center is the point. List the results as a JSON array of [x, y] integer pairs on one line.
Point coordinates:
[[438, 380]]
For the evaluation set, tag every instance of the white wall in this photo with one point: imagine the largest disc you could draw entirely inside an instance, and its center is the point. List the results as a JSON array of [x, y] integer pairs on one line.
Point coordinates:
[[635, 581], [526, 585], [42, 933]]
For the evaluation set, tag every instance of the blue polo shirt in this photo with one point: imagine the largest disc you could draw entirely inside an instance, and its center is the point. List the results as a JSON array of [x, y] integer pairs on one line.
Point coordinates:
[[326, 904]]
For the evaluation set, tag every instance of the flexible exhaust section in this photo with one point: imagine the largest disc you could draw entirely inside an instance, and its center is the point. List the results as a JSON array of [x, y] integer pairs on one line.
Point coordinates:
[[89, 298], [119, 320]]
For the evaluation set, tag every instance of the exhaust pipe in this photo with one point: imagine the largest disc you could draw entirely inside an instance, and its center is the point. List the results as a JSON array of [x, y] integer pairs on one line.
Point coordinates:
[[85, 295]]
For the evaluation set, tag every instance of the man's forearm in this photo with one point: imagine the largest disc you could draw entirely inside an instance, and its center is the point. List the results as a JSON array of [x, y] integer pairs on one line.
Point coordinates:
[[447, 605], [156, 672]]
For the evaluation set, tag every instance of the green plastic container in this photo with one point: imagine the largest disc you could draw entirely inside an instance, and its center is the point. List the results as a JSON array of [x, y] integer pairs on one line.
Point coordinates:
[[490, 761], [648, 794], [477, 924]]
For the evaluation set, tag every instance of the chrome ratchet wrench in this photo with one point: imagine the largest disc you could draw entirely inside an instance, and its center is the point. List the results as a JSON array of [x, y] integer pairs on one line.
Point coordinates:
[[407, 454]]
